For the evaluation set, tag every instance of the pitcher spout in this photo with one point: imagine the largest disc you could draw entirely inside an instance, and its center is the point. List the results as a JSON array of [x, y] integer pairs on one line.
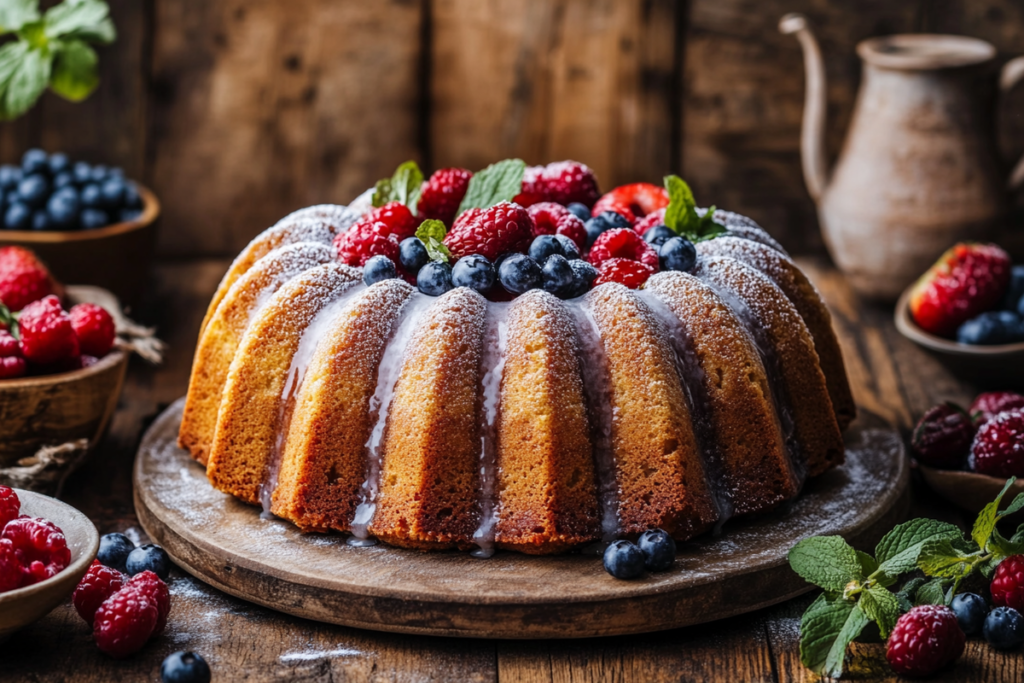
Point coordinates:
[[812, 131]]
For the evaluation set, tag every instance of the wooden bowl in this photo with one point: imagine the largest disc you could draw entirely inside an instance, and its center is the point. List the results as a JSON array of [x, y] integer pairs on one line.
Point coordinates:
[[969, 490], [997, 366], [116, 257], [21, 607]]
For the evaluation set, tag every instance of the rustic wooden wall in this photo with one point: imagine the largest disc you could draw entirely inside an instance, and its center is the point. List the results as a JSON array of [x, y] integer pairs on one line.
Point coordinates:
[[237, 111]]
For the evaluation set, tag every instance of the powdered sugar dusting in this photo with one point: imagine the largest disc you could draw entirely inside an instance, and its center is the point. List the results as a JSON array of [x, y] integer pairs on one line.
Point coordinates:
[[362, 204], [746, 228], [337, 217]]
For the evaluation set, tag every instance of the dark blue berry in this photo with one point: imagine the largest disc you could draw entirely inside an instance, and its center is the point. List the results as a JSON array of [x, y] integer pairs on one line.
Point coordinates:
[[584, 275], [1020, 307], [82, 173], [18, 216], [615, 220], [92, 196], [570, 249], [34, 189], [580, 211], [970, 610], [543, 246], [412, 255], [132, 198], [115, 172], [378, 268], [184, 667], [9, 176], [114, 551], [595, 226], [988, 328], [35, 161], [58, 163], [63, 207], [677, 253], [658, 548], [557, 275], [659, 234], [93, 218], [623, 560], [519, 273], [1015, 292], [473, 271], [1004, 628], [148, 557], [41, 220], [435, 278], [112, 192], [63, 179], [128, 215], [98, 173]]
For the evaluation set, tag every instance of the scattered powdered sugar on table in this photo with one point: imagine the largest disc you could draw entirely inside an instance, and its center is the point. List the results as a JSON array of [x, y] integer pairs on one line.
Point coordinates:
[[311, 655]]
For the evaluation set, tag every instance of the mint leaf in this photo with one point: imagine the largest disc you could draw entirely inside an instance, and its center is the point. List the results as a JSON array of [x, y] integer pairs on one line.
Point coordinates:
[[499, 182], [898, 550], [431, 232], [11, 55], [988, 517], [930, 593], [826, 629], [26, 84], [868, 566], [75, 15], [1001, 547], [1015, 506], [681, 214], [939, 558], [826, 561], [16, 13], [881, 607], [74, 71], [403, 186], [9, 320], [905, 596]]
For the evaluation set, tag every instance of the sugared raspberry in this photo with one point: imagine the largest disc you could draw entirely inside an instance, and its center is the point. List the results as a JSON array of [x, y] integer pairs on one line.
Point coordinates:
[[531, 192], [649, 221], [11, 367], [10, 505], [998, 447], [622, 243], [942, 438], [550, 218], [46, 332], [632, 274], [125, 621], [988, 405], [925, 639], [10, 568], [633, 201], [153, 586], [23, 279], [1008, 583], [378, 232], [39, 546], [9, 345], [491, 232], [94, 328], [98, 584], [442, 193], [564, 182]]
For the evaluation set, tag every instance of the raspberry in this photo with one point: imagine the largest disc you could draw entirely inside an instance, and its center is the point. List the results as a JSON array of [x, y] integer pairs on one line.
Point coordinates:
[[10, 568], [46, 332], [378, 232], [442, 193], [988, 405], [998, 447], [39, 546], [942, 438], [649, 221], [10, 505], [632, 274], [502, 228], [925, 639], [554, 219], [623, 243], [94, 328], [125, 621], [11, 367], [9, 345], [1008, 583], [23, 279], [531, 192], [632, 201], [98, 584], [151, 585], [564, 182]]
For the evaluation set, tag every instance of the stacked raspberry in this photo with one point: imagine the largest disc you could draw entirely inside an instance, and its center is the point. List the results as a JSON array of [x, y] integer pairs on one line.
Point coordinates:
[[31, 549]]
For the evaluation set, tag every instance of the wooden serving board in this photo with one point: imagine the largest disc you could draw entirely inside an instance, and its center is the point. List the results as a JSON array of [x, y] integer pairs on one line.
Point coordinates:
[[268, 561]]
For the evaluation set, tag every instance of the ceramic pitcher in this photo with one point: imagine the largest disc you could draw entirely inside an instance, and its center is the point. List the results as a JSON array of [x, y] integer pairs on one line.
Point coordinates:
[[919, 169]]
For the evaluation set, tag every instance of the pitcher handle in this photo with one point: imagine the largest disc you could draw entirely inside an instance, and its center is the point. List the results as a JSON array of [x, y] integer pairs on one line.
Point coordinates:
[[1012, 73]]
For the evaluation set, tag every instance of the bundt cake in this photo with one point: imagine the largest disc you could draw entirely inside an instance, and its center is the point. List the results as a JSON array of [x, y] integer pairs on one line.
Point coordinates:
[[470, 410]]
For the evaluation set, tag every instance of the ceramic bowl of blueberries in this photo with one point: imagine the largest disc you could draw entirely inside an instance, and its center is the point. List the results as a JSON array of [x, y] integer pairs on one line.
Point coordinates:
[[88, 223]]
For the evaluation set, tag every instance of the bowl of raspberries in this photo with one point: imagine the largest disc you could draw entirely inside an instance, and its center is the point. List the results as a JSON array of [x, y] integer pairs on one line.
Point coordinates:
[[46, 546]]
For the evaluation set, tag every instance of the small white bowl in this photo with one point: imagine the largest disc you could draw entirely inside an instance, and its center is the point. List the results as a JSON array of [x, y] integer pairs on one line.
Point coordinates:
[[22, 606]]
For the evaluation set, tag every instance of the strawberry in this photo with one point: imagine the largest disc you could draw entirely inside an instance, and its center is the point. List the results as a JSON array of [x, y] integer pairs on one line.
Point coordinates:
[[378, 232], [623, 243], [632, 274], [46, 333], [23, 279], [502, 228], [550, 218], [441, 194], [968, 279], [633, 201], [94, 328]]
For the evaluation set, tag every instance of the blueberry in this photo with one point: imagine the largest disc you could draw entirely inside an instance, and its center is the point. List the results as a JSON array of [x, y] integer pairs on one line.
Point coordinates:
[[557, 275], [98, 173], [658, 548], [570, 249], [595, 226], [93, 218], [92, 196], [41, 220], [435, 278], [584, 275], [184, 667], [970, 610], [35, 161], [82, 172], [114, 551], [112, 193], [473, 271], [544, 246], [115, 172], [1020, 307], [1004, 628], [132, 198], [59, 163], [412, 254], [148, 557], [677, 253], [63, 207], [615, 220], [379, 268], [991, 327], [1015, 292], [18, 216], [623, 560], [659, 234], [128, 215], [9, 176], [34, 189], [63, 179], [580, 211], [519, 273]]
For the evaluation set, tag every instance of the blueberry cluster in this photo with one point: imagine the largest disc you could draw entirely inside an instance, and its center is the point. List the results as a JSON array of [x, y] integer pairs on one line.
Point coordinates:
[[118, 552], [49, 192], [595, 225], [1005, 325], [655, 551], [1002, 628]]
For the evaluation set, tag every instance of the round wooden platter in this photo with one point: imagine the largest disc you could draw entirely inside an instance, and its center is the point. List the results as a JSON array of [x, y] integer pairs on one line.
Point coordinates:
[[268, 561]]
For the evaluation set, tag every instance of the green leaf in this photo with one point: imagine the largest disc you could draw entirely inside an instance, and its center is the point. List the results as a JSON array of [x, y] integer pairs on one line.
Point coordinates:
[[9, 320], [826, 561], [499, 182], [930, 593], [905, 596], [681, 214], [881, 607], [939, 558], [403, 186], [72, 16], [16, 13], [988, 517], [826, 629], [1001, 547], [989, 568], [26, 84], [1015, 506], [898, 550], [868, 565], [74, 72], [431, 232]]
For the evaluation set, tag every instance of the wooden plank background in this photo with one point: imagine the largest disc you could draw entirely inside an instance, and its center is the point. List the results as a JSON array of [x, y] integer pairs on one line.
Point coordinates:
[[238, 111]]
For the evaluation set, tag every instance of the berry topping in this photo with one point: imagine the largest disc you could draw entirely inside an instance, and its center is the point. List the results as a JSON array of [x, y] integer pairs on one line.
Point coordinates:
[[10, 505], [925, 639], [9, 346], [633, 201], [412, 255], [47, 335], [991, 403], [39, 546], [991, 327], [153, 586], [1012, 300], [632, 274], [623, 243], [184, 667], [555, 219], [569, 247], [114, 551], [584, 275], [943, 436], [602, 222], [23, 279], [623, 560], [650, 221], [490, 232], [12, 366], [98, 584], [998, 447], [970, 611], [1004, 628], [677, 253], [475, 272], [1008, 583], [435, 278], [580, 211], [530, 192], [125, 621], [378, 232], [967, 280], [519, 273], [657, 235], [658, 548], [557, 275], [379, 268], [150, 558], [94, 328], [442, 193], [567, 182], [10, 568], [544, 246]]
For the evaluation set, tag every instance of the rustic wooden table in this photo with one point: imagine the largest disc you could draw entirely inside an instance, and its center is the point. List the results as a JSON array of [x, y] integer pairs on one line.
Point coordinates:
[[893, 381]]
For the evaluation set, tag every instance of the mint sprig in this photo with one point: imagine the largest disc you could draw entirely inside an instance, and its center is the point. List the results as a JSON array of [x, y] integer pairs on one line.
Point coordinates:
[[403, 186], [9, 320], [681, 214], [499, 182], [432, 232]]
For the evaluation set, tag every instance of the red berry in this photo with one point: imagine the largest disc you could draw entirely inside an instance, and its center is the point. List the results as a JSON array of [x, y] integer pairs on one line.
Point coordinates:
[[632, 201], [23, 279], [378, 232], [98, 584], [442, 193], [925, 639], [46, 332], [10, 505], [125, 621], [942, 438], [632, 274], [1008, 583], [550, 218], [988, 405], [10, 568], [998, 448], [532, 191], [622, 243], [39, 546], [153, 586], [649, 221], [491, 232], [11, 367], [94, 328], [565, 182], [9, 345], [967, 280]]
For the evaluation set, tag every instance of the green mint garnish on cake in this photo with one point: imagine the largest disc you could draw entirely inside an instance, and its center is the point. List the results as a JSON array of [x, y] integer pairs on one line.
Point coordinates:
[[431, 232], [404, 186], [499, 182], [681, 214]]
